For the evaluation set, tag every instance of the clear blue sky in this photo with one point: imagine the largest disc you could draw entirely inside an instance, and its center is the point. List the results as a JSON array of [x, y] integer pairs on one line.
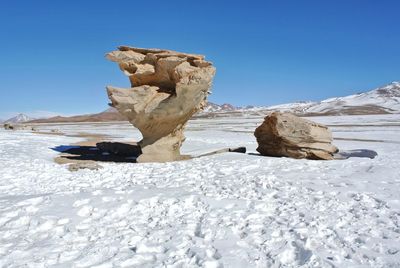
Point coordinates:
[[265, 52]]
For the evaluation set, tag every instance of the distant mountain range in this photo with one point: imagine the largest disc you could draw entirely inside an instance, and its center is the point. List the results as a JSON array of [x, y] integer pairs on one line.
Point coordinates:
[[20, 118], [111, 114], [383, 100], [214, 108]]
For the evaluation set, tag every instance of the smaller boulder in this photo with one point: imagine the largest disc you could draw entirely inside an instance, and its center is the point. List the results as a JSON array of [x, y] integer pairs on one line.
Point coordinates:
[[284, 134], [8, 126]]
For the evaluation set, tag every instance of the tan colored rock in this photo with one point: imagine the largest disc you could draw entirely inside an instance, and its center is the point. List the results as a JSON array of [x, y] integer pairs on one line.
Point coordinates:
[[167, 88], [284, 134]]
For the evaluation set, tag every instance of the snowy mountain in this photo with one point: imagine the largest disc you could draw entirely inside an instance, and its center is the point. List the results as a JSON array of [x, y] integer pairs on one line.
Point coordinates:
[[20, 118], [382, 100], [294, 107], [212, 108]]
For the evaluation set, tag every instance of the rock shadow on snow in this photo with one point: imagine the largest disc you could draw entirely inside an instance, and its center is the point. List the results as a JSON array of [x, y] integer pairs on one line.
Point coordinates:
[[342, 155], [100, 152], [363, 153]]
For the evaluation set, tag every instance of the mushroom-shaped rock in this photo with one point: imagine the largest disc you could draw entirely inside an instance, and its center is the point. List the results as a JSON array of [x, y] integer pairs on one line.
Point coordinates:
[[284, 134], [167, 88]]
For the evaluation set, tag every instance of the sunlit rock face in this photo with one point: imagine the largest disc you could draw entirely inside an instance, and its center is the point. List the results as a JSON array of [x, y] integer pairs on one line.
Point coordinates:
[[167, 88], [284, 134]]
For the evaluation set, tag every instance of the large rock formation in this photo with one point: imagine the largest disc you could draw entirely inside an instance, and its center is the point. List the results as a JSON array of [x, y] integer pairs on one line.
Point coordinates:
[[284, 134], [167, 88]]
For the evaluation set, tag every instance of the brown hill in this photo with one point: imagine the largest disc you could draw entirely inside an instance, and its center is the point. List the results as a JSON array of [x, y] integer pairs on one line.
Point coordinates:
[[108, 115], [111, 114]]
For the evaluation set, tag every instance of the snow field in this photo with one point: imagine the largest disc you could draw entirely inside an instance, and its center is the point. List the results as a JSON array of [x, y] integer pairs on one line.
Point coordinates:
[[227, 210]]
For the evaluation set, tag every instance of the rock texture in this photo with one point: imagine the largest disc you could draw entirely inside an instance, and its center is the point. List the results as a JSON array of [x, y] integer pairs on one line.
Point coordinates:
[[167, 88], [284, 134]]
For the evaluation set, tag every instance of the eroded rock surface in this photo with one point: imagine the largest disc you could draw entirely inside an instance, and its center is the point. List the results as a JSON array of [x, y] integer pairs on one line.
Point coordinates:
[[167, 88], [284, 134]]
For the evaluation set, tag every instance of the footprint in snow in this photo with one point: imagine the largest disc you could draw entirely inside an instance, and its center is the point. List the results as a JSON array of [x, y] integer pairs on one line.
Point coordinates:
[[85, 211]]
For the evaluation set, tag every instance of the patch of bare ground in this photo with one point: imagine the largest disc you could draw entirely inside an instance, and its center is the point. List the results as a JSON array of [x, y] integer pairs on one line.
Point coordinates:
[[365, 125], [366, 140], [353, 110], [49, 133]]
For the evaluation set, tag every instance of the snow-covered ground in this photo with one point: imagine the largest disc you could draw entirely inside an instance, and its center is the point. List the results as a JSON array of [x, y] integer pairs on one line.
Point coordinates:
[[226, 210]]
